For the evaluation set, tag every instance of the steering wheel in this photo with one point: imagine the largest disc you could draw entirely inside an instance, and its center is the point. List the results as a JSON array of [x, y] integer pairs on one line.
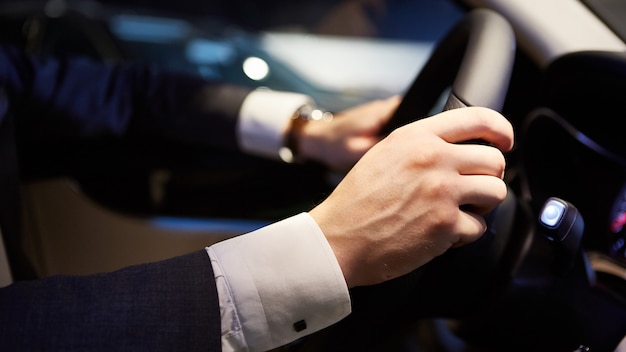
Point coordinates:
[[473, 65], [475, 59]]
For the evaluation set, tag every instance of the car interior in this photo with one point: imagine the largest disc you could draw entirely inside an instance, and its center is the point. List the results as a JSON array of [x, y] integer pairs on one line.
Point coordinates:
[[549, 274]]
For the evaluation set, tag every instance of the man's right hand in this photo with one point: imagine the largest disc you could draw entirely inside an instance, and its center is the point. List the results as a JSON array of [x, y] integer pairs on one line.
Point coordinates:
[[417, 193]]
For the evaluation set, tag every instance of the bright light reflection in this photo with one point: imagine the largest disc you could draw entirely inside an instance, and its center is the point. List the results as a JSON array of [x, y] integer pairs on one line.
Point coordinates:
[[256, 68]]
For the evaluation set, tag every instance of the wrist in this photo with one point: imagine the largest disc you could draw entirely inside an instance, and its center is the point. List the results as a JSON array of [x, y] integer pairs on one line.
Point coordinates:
[[292, 146]]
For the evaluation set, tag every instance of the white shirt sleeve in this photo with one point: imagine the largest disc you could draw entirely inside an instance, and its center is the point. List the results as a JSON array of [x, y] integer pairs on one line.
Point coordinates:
[[277, 284], [263, 119]]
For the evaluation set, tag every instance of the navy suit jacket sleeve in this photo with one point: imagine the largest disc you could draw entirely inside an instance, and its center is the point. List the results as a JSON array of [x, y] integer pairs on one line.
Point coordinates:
[[164, 306], [170, 305], [69, 98]]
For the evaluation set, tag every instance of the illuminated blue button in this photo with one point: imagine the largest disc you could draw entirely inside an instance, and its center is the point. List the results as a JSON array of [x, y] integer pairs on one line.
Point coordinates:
[[552, 213]]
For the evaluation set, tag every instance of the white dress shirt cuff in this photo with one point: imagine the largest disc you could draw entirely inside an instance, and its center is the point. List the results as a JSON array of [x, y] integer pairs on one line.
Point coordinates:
[[264, 118], [281, 282]]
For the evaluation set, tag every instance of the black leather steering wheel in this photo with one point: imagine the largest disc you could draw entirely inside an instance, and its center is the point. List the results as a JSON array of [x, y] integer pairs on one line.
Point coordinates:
[[475, 59], [473, 63]]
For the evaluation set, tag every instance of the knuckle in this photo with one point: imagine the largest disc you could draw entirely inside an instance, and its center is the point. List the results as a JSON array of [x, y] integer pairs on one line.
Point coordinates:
[[445, 218], [499, 160], [501, 190], [428, 156], [446, 211]]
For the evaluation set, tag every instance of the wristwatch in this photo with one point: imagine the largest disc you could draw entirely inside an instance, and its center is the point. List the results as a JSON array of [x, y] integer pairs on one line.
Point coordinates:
[[289, 153]]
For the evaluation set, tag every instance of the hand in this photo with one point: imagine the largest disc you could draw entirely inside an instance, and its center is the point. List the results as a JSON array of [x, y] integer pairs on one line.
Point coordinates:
[[344, 140], [416, 194]]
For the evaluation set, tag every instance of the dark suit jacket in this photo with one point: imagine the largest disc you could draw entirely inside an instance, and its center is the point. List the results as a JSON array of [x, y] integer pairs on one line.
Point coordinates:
[[166, 306], [170, 305]]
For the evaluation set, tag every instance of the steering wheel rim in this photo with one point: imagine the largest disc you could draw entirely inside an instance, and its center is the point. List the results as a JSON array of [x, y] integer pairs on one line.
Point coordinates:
[[475, 59], [475, 62]]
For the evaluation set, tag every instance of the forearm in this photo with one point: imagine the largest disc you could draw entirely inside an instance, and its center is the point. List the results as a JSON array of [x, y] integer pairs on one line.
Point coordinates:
[[75, 98], [58, 99], [169, 305]]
